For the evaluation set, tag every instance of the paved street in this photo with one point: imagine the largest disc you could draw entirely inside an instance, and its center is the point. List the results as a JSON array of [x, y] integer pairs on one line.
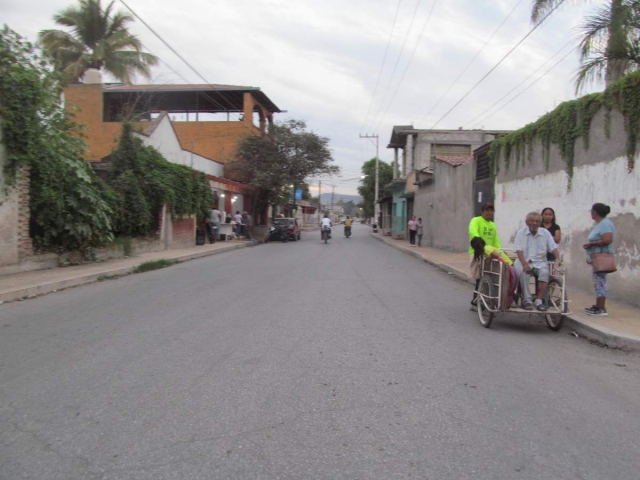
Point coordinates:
[[304, 360]]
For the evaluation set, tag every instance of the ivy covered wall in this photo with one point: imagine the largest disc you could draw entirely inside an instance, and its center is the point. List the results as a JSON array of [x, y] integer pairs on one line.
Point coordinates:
[[583, 152]]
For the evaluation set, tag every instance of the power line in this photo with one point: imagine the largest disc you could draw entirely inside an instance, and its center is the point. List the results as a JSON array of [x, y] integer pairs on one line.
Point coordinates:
[[518, 85], [184, 60], [406, 37], [471, 61], [384, 58], [415, 48], [527, 88], [498, 64]]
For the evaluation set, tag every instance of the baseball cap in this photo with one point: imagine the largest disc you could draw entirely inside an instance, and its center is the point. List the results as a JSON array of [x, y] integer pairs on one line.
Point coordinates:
[[487, 206]]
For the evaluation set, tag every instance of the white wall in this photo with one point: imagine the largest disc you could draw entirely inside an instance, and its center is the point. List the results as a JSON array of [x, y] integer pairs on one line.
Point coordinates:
[[607, 182], [8, 216], [166, 142]]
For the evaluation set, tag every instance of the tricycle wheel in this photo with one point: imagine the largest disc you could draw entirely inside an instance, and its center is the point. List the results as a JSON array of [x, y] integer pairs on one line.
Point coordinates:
[[555, 304], [486, 302]]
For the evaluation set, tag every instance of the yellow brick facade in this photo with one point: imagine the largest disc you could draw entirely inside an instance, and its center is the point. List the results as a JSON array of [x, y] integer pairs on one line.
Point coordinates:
[[215, 140]]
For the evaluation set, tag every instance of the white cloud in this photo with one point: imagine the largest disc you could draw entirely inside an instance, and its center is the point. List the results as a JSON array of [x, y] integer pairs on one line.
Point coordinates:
[[320, 59]]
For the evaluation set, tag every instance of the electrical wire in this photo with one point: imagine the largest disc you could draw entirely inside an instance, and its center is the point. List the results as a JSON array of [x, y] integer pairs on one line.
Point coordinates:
[[498, 64], [495, 32], [184, 60], [406, 37], [415, 48], [384, 58], [518, 85], [528, 87]]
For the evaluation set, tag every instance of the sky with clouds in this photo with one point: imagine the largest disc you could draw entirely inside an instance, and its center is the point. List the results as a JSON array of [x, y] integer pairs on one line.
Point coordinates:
[[322, 60]]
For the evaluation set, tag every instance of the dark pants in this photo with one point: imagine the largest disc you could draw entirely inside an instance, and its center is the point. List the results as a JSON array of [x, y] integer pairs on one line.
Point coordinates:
[[412, 237]]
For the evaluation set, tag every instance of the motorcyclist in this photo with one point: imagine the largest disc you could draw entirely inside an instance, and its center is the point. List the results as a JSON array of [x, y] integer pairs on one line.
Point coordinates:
[[347, 226], [326, 222]]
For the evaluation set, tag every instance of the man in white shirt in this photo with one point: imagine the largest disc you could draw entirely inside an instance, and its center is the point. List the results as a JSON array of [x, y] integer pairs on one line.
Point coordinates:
[[326, 222], [238, 219], [215, 222], [532, 244]]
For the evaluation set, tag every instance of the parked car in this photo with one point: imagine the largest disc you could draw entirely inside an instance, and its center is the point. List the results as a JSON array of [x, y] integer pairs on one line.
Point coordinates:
[[293, 229]]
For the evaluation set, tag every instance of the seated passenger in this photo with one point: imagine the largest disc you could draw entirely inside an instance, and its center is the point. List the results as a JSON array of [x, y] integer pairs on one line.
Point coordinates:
[[481, 249], [532, 244]]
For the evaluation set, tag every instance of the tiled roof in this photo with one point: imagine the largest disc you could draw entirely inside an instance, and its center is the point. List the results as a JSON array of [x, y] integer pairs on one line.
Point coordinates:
[[454, 160]]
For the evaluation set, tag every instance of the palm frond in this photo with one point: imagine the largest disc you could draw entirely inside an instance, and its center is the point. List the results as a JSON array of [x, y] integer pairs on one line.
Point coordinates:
[[541, 7], [590, 70], [98, 38]]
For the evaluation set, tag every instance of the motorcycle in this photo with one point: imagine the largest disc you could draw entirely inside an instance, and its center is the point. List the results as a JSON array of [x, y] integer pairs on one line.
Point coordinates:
[[278, 232], [347, 231], [326, 233]]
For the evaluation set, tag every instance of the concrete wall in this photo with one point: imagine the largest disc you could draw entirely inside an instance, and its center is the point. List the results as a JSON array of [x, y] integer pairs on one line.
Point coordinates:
[[422, 154], [600, 175], [15, 242], [8, 215], [446, 207]]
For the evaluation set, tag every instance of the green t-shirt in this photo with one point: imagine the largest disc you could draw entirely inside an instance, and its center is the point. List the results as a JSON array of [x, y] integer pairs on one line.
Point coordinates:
[[487, 230]]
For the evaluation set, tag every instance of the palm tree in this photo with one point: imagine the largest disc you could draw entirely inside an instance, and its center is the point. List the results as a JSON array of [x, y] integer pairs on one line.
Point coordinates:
[[610, 43], [607, 39], [98, 39]]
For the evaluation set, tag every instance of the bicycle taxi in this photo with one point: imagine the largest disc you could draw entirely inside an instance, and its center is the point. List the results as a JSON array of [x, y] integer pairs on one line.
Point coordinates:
[[494, 298]]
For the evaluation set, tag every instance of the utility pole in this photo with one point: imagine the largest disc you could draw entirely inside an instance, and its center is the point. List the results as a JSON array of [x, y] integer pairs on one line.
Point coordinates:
[[333, 188], [375, 202], [319, 201]]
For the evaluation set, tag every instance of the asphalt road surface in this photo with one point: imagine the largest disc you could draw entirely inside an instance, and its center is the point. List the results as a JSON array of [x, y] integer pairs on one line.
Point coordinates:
[[349, 360]]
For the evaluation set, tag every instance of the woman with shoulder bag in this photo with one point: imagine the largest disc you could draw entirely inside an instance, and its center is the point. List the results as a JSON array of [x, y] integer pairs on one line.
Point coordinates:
[[599, 249]]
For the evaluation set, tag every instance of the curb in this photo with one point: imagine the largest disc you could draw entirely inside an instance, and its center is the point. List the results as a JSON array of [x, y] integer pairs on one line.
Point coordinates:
[[50, 287], [602, 335]]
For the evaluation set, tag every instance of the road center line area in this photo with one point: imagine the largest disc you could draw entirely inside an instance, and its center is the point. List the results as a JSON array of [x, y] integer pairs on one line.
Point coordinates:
[[304, 360]]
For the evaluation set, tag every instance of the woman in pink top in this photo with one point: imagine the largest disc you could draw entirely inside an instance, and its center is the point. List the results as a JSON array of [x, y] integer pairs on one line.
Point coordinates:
[[413, 228]]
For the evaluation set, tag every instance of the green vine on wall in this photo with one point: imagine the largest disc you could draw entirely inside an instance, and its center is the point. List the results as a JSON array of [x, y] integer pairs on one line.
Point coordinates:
[[68, 204], [568, 122], [144, 181]]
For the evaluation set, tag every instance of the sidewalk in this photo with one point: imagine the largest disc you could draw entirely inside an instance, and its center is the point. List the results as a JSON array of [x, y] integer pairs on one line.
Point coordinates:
[[40, 282], [621, 329]]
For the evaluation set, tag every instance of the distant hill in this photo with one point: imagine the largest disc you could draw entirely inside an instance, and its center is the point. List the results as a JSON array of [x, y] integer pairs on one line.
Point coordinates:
[[326, 198]]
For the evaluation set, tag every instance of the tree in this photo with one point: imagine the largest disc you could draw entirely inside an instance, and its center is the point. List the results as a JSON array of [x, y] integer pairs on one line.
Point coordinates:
[[609, 40], [368, 188], [286, 157], [349, 207], [610, 43], [99, 39]]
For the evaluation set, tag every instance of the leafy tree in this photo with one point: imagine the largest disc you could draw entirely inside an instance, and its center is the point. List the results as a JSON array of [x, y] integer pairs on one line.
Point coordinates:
[[349, 207], [69, 206], [608, 40], [286, 157], [368, 188], [99, 39]]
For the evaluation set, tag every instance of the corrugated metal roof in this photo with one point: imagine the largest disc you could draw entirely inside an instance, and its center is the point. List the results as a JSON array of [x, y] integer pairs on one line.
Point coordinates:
[[173, 87]]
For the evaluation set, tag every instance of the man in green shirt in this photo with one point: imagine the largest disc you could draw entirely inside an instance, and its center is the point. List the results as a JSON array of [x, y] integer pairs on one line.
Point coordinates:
[[483, 227]]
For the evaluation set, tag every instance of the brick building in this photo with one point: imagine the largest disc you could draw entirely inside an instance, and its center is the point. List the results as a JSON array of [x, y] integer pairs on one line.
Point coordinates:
[[209, 120]]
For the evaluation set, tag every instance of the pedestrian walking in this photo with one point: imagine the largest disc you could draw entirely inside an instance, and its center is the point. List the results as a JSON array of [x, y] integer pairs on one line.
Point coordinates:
[[215, 222], [413, 226], [420, 231], [599, 251]]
